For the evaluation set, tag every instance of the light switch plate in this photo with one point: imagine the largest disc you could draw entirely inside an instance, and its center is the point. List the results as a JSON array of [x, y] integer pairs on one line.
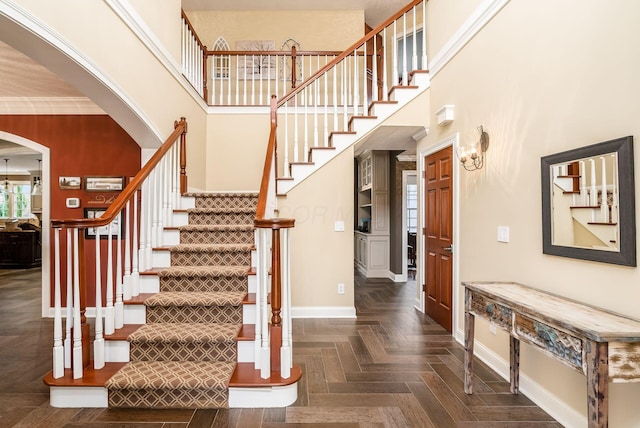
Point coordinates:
[[339, 226], [503, 233], [73, 202]]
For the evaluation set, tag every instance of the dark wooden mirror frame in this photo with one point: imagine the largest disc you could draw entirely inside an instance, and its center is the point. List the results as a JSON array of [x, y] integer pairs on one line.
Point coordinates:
[[626, 204]]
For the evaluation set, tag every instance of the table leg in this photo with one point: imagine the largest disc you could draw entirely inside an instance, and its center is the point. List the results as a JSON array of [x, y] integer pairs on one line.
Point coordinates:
[[597, 384], [469, 324], [514, 363]]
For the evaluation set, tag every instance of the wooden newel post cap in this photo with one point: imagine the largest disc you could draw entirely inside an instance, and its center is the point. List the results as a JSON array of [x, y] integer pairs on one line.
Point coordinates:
[[274, 223]]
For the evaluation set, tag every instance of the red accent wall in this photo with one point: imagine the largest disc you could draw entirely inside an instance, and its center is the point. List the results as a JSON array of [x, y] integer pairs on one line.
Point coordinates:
[[79, 146]]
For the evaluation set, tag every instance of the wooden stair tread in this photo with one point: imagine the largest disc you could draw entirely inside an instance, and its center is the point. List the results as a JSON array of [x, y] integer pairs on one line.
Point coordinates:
[[246, 376], [123, 333], [139, 299], [247, 332], [91, 377]]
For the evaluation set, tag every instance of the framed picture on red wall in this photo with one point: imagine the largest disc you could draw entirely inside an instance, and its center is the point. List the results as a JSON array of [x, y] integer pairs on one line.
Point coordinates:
[[69, 183], [103, 184], [114, 228]]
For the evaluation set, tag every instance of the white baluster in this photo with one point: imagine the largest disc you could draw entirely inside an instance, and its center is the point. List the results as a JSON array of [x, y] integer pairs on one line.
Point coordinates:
[[385, 87], [135, 274], [126, 281], [405, 74], [286, 141], [335, 99], [98, 343], [58, 348], [77, 329], [119, 306], [257, 343], [365, 78], [253, 80], [227, 79], [374, 71], [109, 311], [244, 85], [345, 107], [356, 99], [593, 197], [168, 197], [425, 63], [305, 150], [414, 57], [315, 114], [325, 137], [285, 349], [215, 65], [394, 49], [604, 205], [265, 351], [237, 74], [296, 141], [68, 345]]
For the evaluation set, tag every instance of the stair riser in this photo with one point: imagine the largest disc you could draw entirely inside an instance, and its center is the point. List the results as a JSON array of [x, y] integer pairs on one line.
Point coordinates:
[[205, 284], [194, 314], [221, 218], [154, 351], [137, 314], [169, 399], [222, 237], [217, 258], [151, 283], [226, 202]]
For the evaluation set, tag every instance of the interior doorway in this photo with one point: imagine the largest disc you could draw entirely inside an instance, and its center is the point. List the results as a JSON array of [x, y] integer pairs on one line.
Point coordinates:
[[409, 224], [438, 236]]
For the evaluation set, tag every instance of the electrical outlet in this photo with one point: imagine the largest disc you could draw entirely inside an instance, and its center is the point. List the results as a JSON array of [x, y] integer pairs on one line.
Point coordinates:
[[492, 327], [340, 288]]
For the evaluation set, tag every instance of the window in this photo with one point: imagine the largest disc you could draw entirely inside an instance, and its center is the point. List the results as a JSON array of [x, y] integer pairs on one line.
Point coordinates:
[[18, 203], [412, 208], [409, 50], [221, 63]]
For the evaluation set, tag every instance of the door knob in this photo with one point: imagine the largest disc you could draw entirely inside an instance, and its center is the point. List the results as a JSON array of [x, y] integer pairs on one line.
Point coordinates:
[[449, 248]]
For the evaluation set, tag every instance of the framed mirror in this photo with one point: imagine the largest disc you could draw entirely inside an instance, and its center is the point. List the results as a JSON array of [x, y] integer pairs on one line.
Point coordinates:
[[588, 203]]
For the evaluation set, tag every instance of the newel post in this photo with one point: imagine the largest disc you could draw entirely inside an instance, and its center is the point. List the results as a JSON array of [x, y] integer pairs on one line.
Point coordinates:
[[205, 89], [183, 156], [293, 67]]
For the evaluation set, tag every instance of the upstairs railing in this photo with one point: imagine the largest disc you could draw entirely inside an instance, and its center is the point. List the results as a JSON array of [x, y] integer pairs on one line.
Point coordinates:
[[130, 227], [194, 64]]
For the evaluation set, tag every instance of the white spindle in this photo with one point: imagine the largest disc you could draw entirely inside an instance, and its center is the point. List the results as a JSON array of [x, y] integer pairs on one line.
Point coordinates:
[[335, 99], [394, 50], [285, 349], [325, 138], [257, 343], [604, 206], [593, 197], [305, 151], [58, 348], [425, 64], [119, 306], [77, 329], [296, 150], [584, 193], [405, 74], [135, 274], [109, 311], [126, 281], [244, 82], [356, 99], [374, 71], [68, 345], [253, 80], [414, 57], [227, 79], [315, 114], [385, 87], [345, 101], [265, 351], [286, 141], [168, 196], [237, 75], [98, 343], [365, 83]]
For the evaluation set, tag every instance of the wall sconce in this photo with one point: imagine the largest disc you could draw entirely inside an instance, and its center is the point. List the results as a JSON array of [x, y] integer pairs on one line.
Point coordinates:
[[472, 157]]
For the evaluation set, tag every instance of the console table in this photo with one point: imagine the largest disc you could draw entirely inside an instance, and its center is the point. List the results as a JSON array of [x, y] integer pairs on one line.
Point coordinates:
[[600, 344]]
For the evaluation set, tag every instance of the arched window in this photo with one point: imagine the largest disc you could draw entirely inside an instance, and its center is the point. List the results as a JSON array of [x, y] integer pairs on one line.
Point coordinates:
[[221, 63]]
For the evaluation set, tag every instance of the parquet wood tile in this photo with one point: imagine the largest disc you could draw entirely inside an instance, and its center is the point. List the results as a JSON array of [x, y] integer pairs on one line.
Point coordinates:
[[392, 366]]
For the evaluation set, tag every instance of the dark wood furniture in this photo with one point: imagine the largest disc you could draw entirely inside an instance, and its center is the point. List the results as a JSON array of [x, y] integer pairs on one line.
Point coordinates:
[[20, 249], [600, 344]]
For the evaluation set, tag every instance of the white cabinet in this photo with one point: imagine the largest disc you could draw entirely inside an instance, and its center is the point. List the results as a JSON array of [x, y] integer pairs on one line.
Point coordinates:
[[371, 242]]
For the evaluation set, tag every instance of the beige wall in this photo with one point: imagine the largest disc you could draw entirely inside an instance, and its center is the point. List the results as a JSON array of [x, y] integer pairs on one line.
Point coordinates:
[[444, 18], [165, 22], [541, 80], [314, 30], [322, 258]]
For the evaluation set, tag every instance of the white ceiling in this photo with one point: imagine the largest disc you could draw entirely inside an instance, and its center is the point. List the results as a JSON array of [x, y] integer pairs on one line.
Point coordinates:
[[20, 76]]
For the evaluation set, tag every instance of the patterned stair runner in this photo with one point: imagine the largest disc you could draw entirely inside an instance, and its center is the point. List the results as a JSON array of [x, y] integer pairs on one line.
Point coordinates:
[[185, 354]]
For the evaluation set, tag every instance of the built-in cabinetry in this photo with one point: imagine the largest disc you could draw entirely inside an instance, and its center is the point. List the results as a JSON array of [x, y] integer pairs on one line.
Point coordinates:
[[371, 241]]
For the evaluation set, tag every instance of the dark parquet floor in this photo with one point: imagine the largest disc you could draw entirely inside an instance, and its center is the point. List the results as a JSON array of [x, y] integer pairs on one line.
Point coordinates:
[[390, 367]]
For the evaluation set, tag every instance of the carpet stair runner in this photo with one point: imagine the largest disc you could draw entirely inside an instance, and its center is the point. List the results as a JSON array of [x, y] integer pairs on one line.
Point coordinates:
[[185, 354]]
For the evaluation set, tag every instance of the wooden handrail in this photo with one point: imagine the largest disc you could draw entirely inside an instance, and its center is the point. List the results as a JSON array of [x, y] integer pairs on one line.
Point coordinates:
[[275, 53], [268, 164], [348, 51], [180, 129], [193, 31]]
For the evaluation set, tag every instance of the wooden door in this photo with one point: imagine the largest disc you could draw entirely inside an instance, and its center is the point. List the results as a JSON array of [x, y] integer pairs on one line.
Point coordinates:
[[439, 236]]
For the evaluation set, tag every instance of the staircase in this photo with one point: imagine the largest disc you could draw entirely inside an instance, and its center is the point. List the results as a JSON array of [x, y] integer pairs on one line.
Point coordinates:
[[185, 354]]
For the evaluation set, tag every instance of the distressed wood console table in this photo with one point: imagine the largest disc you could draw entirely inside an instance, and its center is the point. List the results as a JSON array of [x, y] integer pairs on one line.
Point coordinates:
[[600, 344]]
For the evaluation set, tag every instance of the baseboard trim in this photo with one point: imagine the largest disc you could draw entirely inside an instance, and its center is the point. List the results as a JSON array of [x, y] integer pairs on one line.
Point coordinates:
[[543, 397], [323, 312]]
